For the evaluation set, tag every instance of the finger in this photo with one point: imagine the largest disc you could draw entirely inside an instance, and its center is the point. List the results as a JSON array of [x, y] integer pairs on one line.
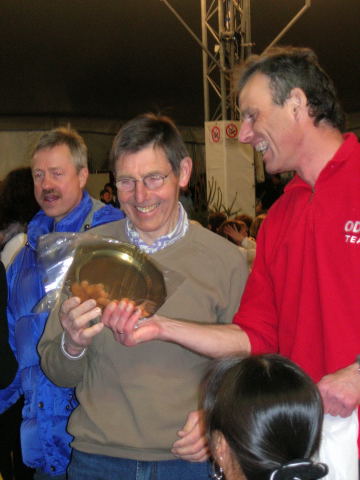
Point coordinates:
[[115, 315], [331, 406], [338, 409], [83, 338], [193, 420], [138, 334], [108, 310], [87, 305], [73, 307], [69, 304], [194, 455], [132, 322], [195, 437], [88, 333], [192, 441], [124, 317], [80, 316], [199, 457]]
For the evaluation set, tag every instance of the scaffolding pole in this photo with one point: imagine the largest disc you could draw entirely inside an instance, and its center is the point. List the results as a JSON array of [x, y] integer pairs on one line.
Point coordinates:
[[225, 43]]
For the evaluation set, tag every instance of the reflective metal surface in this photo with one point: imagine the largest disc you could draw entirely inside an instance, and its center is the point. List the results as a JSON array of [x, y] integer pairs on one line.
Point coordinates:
[[115, 271]]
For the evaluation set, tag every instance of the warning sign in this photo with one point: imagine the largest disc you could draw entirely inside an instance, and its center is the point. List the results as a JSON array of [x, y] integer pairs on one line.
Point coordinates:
[[231, 130], [215, 134]]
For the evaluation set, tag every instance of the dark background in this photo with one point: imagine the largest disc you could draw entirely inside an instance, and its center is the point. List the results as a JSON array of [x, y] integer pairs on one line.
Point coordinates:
[[118, 58]]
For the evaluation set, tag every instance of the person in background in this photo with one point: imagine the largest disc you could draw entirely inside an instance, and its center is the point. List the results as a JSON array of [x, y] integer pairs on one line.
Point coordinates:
[[215, 220], [236, 232], [263, 417], [248, 241], [105, 197], [59, 170], [18, 206], [256, 224], [243, 217], [134, 403], [11, 464], [111, 188], [8, 362]]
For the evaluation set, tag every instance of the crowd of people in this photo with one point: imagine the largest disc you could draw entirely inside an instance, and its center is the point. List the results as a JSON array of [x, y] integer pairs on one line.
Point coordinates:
[[258, 335]]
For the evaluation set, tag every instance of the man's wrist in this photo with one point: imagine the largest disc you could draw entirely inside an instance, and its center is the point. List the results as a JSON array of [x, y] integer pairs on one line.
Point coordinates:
[[71, 352]]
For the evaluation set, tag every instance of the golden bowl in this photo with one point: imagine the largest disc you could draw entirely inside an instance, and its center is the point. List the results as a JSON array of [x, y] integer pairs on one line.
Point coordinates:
[[114, 271]]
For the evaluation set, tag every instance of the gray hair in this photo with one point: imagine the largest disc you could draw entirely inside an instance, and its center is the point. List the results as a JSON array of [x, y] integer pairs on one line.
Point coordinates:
[[64, 136]]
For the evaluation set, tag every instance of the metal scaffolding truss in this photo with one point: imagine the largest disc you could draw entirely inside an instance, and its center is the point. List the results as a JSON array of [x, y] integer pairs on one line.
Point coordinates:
[[226, 31], [226, 43]]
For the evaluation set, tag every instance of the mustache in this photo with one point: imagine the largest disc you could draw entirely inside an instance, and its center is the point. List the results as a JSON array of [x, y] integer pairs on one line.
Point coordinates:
[[49, 191]]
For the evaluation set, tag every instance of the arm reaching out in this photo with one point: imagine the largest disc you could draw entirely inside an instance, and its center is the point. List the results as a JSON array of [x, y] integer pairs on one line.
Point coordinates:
[[129, 329]]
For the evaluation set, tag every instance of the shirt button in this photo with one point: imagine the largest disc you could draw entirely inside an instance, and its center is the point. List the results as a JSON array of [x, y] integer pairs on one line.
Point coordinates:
[[52, 468], [41, 404], [68, 407]]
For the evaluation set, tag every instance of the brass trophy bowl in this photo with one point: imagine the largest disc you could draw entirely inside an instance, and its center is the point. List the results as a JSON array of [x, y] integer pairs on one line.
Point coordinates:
[[109, 271]]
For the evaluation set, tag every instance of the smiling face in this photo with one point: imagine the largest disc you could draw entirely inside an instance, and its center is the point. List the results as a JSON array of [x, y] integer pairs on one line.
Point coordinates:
[[271, 129], [153, 212], [57, 184]]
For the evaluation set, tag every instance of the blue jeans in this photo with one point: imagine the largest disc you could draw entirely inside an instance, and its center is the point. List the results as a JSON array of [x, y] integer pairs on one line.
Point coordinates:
[[38, 475], [86, 466]]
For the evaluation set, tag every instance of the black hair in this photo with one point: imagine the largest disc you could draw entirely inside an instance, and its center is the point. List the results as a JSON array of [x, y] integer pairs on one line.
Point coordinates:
[[17, 199], [215, 220], [291, 67], [270, 413]]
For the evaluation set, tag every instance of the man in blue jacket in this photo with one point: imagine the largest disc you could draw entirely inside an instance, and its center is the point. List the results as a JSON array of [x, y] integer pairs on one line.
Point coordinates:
[[59, 167]]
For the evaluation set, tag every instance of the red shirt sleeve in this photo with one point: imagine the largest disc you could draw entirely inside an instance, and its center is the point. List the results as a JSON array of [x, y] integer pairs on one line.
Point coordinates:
[[257, 312]]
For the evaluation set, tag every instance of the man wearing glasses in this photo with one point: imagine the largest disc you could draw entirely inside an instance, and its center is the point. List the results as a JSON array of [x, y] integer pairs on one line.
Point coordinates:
[[134, 402]]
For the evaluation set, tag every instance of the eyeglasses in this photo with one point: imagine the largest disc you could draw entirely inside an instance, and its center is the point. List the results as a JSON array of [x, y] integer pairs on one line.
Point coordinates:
[[153, 181]]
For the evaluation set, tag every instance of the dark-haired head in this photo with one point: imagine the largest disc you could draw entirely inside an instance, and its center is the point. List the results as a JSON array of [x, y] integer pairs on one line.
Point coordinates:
[[17, 199], [291, 67], [146, 130], [215, 220], [263, 416]]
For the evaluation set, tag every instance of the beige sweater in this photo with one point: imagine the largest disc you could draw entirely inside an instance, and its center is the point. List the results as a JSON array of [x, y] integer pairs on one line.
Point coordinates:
[[134, 399]]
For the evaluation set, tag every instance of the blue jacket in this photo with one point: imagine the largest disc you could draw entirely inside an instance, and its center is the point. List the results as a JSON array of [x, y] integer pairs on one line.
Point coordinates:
[[45, 442]]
